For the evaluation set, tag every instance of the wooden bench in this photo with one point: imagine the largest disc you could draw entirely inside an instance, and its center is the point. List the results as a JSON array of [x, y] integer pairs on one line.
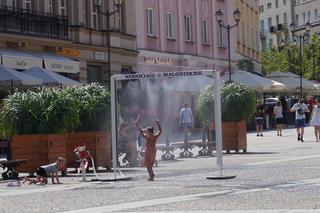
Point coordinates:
[[10, 166]]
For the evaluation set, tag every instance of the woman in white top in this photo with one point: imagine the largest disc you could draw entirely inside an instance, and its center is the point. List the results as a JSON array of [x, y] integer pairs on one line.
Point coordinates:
[[278, 117], [315, 121]]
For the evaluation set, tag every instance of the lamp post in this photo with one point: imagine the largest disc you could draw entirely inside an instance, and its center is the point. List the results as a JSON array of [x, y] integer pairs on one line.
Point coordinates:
[[302, 38], [236, 16], [108, 13]]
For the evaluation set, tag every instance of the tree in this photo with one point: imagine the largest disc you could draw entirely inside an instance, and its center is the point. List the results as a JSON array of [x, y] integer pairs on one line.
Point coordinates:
[[288, 59]]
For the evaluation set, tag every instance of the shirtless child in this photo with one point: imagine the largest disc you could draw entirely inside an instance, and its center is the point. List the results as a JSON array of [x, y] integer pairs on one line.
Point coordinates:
[[150, 147]]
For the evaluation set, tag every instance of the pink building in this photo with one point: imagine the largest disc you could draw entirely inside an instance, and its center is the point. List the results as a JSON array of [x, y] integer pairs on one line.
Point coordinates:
[[177, 35]]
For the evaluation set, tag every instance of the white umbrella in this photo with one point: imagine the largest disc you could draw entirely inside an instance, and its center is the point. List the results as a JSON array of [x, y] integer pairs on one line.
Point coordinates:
[[292, 81], [10, 77], [50, 78], [255, 82]]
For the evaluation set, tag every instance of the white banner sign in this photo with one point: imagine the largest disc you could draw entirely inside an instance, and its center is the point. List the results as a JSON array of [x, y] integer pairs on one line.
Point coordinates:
[[22, 63], [67, 66], [162, 74]]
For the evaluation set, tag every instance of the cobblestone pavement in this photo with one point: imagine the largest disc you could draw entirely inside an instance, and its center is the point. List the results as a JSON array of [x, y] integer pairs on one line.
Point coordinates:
[[277, 174]]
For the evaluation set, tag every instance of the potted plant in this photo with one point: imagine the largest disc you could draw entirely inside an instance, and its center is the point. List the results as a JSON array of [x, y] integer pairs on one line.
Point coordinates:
[[237, 105], [49, 122]]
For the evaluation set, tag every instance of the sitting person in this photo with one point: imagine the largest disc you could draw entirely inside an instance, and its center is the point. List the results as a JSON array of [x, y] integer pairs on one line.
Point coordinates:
[[43, 172]]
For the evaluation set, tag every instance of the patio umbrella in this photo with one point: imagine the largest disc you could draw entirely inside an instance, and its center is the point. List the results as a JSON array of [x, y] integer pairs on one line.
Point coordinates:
[[12, 78], [255, 82], [50, 78], [292, 81]]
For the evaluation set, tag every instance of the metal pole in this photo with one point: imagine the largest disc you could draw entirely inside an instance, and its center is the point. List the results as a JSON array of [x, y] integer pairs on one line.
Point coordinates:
[[301, 68], [313, 64], [114, 125], [229, 58], [109, 44], [218, 127]]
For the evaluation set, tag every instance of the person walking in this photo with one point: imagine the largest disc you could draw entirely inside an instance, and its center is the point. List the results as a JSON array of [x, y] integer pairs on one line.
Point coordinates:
[[300, 108], [278, 115], [186, 121], [259, 118], [315, 119]]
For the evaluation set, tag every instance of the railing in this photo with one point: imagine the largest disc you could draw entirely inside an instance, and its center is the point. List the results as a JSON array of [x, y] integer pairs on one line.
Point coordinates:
[[37, 23]]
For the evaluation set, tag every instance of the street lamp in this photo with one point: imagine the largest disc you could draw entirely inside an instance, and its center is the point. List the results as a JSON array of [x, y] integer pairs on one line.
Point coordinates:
[[302, 38], [97, 4], [236, 16]]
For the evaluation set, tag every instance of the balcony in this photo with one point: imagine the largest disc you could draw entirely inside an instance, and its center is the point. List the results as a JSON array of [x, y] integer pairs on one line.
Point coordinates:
[[35, 23]]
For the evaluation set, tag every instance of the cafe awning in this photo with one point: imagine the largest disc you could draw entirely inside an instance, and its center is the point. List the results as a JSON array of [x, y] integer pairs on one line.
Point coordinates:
[[58, 63], [19, 60]]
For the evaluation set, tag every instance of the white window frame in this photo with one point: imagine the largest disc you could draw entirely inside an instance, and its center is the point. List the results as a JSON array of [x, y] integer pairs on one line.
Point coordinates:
[[204, 31], [62, 7], [169, 23], [188, 27], [26, 3], [94, 18], [150, 22], [50, 6], [221, 42]]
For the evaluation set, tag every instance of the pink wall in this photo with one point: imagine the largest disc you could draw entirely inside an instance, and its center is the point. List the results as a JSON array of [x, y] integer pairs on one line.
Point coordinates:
[[199, 10]]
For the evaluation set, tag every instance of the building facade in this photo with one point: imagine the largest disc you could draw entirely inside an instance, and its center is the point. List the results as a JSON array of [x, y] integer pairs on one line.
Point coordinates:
[[307, 11], [245, 43], [175, 35], [275, 18], [71, 31]]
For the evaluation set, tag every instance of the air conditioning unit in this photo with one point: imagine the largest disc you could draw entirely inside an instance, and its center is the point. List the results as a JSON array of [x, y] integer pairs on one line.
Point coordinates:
[[273, 29]]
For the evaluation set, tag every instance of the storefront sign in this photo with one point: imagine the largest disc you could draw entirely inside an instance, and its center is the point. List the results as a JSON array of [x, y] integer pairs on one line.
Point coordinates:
[[101, 56], [67, 66], [69, 52], [21, 63], [162, 75], [157, 60]]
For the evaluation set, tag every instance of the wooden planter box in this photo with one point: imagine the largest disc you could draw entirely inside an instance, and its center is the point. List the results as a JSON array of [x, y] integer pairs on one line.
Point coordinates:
[[30, 147], [234, 136], [44, 149]]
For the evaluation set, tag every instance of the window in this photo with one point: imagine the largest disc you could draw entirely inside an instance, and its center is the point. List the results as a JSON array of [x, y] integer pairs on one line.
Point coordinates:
[[315, 15], [309, 16], [169, 25], [188, 27], [261, 9], [284, 2], [304, 18], [50, 6], [150, 22], [262, 25], [204, 31], [221, 36], [94, 22], [63, 7], [277, 3], [297, 19], [269, 22], [27, 4], [269, 6], [285, 19], [277, 20]]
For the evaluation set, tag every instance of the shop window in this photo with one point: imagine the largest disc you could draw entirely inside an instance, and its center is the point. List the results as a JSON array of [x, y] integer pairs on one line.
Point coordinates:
[[94, 74]]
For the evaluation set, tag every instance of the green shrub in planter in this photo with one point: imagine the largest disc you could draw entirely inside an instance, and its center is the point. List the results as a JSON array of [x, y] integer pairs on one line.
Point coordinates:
[[55, 110], [237, 103]]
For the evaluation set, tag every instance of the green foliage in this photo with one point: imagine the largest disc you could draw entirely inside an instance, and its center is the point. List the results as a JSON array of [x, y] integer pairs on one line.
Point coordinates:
[[52, 110], [288, 59], [237, 101]]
